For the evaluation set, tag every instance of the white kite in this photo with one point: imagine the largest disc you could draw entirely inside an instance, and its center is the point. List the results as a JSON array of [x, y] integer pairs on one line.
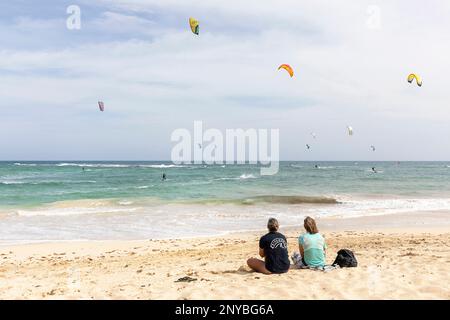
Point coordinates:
[[350, 130]]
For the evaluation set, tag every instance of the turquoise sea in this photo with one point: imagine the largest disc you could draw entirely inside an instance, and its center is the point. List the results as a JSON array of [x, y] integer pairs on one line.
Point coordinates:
[[66, 200]]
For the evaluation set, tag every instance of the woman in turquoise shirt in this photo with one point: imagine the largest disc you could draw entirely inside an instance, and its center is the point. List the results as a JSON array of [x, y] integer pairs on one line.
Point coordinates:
[[312, 245]]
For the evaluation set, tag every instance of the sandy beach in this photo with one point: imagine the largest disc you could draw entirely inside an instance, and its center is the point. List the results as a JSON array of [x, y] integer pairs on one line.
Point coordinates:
[[408, 262], [149, 145]]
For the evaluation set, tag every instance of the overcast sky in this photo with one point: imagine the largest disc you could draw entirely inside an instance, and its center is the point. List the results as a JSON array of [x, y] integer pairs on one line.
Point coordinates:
[[351, 61]]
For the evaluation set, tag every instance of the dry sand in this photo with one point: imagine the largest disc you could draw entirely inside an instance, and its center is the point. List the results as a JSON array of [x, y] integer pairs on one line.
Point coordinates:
[[400, 257]]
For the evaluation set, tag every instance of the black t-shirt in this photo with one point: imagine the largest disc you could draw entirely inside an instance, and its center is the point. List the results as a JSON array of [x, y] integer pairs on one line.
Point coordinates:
[[276, 253]]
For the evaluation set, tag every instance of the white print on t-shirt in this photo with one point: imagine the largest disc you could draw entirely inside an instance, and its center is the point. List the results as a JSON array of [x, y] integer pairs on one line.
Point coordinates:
[[278, 242]]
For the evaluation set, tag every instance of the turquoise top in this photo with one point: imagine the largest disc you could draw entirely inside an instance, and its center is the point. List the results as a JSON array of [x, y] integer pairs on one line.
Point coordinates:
[[314, 249]]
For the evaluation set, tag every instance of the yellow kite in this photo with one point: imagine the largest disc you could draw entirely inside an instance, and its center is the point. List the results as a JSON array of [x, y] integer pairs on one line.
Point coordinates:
[[194, 25], [418, 78]]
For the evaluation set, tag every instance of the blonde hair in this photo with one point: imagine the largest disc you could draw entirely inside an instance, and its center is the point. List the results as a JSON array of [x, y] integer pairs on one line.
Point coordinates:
[[273, 224], [310, 225]]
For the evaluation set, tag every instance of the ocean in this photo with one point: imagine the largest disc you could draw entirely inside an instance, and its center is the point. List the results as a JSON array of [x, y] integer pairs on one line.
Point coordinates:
[[107, 200]]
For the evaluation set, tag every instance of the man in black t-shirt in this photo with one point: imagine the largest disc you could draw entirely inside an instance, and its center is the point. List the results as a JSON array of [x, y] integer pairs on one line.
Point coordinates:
[[273, 248]]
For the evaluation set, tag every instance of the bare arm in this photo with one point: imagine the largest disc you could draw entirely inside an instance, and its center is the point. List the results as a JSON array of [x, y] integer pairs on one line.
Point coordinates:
[[302, 251], [261, 253]]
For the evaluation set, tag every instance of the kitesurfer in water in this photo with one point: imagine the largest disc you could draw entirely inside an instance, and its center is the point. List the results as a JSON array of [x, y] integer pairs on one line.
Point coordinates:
[[374, 170], [164, 177]]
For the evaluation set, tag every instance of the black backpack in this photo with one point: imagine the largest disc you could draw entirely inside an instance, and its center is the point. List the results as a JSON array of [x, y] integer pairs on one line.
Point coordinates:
[[345, 259]]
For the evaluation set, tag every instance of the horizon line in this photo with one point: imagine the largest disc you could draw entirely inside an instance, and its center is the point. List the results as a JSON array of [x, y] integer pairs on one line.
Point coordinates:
[[224, 162]]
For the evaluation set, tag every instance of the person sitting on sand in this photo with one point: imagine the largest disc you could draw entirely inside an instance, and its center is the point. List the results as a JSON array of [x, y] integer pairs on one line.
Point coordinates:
[[273, 248], [312, 245]]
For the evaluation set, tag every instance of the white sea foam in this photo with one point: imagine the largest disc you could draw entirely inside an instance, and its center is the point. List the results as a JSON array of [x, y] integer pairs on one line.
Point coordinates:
[[376, 171], [11, 182], [73, 211], [93, 165], [38, 182], [241, 177], [123, 219], [25, 164], [77, 207], [372, 207], [162, 166], [114, 165], [247, 176], [125, 203], [101, 165]]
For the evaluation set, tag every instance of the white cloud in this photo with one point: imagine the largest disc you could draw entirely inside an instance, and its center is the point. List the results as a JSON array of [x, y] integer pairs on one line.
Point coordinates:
[[124, 23]]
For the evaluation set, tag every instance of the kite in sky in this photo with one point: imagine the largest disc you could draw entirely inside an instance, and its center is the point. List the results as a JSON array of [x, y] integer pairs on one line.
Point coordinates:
[[418, 78], [193, 23], [350, 130], [288, 68]]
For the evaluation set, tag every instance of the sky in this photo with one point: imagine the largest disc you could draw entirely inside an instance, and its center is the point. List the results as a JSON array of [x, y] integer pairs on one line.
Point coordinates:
[[350, 58]]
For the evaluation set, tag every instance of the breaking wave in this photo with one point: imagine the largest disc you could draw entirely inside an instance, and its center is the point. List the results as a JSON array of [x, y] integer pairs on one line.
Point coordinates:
[[290, 199]]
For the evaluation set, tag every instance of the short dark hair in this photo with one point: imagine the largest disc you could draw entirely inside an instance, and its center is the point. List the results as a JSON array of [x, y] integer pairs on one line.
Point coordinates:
[[273, 224]]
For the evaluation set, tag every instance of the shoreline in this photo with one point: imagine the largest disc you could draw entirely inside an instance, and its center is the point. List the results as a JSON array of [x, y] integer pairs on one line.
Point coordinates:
[[434, 220], [391, 265]]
